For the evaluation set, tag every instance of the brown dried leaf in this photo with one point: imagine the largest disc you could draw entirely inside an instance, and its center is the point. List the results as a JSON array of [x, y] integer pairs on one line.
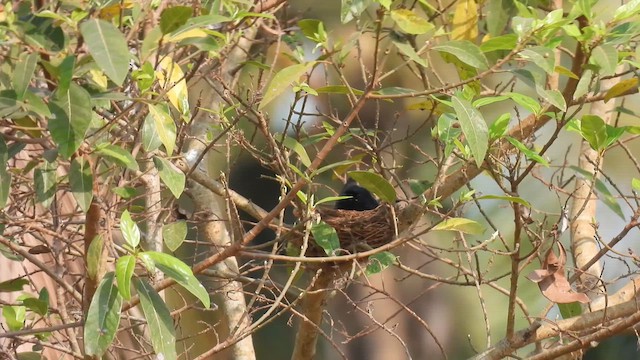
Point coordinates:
[[552, 281]]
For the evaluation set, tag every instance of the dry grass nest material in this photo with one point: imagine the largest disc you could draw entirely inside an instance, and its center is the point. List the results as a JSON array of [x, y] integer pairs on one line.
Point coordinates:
[[358, 230]]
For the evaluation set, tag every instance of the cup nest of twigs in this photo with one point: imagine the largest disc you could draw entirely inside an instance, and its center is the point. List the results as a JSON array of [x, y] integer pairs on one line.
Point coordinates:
[[357, 230]]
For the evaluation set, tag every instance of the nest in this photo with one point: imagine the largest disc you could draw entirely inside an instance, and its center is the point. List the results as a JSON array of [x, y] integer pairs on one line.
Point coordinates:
[[357, 230]]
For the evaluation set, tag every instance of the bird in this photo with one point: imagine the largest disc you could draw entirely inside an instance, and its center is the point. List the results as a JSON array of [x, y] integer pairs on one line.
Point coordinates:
[[360, 198]]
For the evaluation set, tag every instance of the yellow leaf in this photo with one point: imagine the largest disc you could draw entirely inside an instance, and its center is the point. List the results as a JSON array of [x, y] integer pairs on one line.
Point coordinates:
[[99, 78], [566, 72], [465, 21], [621, 88], [171, 78], [193, 33], [109, 12]]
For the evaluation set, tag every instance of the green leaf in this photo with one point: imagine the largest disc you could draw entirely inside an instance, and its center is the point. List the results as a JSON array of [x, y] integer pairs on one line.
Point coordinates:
[[635, 184], [282, 80], [489, 100], [170, 176], [376, 184], [38, 306], [594, 130], [503, 42], [540, 56], [23, 73], [553, 97], [627, 10], [570, 310], [65, 72], [408, 50], [5, 176], [499, 127], [180, 272], [525, 101], [14, 316], [130, 230], [150, 139], [202, 21], [410, 22], [530, 154], [45, 183], [81, 182], [108, 47], [174, 234], [466, 51], [102, 318], [513, 199], [293, 145], [605, 57], [314, 30], [72, 117], [165, 127], [351, 9], [124, 271], [163, 334], [326, 237], [333, 166], [584, 84], [419, 186], [473, 126], [119, 155], [94, 256], [603, 192], [380, 261], [13, 285], [125, 192], [174, 17], [466, 226]]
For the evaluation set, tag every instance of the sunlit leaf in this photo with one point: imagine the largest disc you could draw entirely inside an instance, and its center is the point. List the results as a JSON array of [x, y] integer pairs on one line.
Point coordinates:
[[124, 272], [282, 80], [45, 180], [603, 192], [465, 21], [72, 117], [5, 176], [503, 42], [499, 127], [164, 127], [180, 272], [23, 73], [174, 17], [170, 176], [94, 256], [474, 128], [292, 144], [130, 230], [468, 52], [594, 130], [81, 182], [513, 199], [13, 285], [326, 237], [172, 80], [163, 333], [605, 57], [466, 226], [120, 155], [410, 22], [108, 48], [530, 154], [102, 318], [380, 261], [14, 316], [174, 234], [621, 88], [376, 184]]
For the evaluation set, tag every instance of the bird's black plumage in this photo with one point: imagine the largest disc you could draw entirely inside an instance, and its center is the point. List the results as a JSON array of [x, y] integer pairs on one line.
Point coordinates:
[[360, 200]]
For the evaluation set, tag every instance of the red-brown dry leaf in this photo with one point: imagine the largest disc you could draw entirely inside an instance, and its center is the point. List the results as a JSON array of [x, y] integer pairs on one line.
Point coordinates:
[[552, 281]]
